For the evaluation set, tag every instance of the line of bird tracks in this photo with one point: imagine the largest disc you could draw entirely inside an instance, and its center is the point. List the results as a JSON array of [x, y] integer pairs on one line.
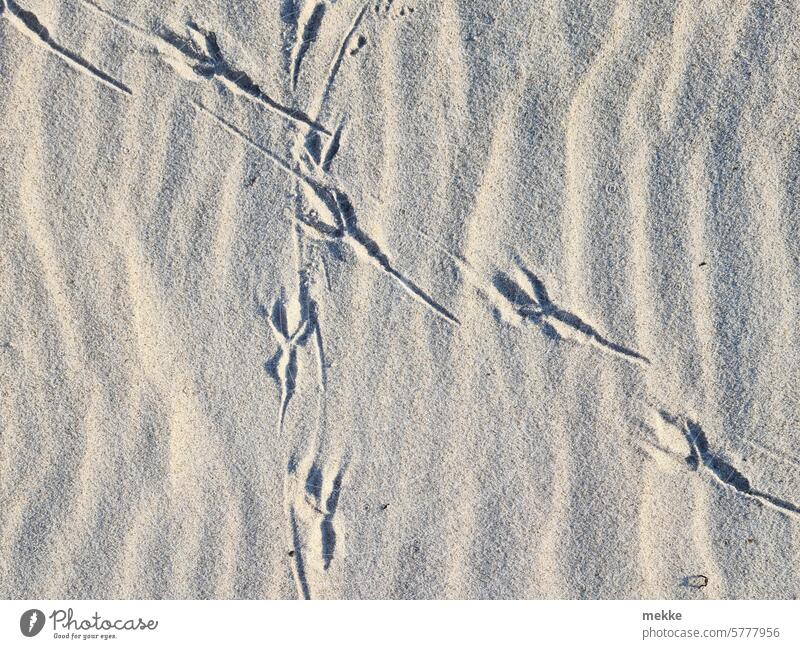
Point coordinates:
[[313, 482]]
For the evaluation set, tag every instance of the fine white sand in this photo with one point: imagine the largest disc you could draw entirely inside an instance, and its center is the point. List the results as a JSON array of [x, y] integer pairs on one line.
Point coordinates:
[[422, 299]]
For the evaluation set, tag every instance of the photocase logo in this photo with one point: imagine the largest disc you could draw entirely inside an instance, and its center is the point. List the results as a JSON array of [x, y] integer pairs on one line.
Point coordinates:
[[31, 622]]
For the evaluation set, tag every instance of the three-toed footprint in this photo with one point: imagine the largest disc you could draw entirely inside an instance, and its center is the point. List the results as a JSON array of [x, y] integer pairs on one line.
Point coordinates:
[[312, 498]]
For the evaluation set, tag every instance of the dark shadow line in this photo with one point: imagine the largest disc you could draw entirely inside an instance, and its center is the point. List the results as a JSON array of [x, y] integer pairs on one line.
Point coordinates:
[[310, 33]]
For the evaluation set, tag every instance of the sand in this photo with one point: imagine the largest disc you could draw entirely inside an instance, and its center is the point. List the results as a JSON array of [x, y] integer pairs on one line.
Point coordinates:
[[447, 299]]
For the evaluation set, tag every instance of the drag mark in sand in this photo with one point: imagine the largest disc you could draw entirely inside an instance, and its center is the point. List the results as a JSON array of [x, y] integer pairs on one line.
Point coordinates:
[[536, 307], [365, 245], [337, 62], [122, 22], [322, 217], [346, 228], [701, 457], [27, 23]]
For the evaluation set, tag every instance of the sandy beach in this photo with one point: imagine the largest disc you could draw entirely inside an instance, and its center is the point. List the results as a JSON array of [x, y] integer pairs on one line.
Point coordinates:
[[427, 299]]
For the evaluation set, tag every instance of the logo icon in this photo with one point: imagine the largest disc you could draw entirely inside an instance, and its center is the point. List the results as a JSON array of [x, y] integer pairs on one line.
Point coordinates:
[[31, 622]]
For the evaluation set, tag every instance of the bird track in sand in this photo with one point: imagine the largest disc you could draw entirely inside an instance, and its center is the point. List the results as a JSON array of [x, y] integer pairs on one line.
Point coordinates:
[[536, 307], [701, 457], [344, 224], [311, 504], [331, 217], [203, 56], [283, 365]]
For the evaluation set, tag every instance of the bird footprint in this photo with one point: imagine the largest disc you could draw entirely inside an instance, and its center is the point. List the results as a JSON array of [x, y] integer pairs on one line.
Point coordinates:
[[283, 365]]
